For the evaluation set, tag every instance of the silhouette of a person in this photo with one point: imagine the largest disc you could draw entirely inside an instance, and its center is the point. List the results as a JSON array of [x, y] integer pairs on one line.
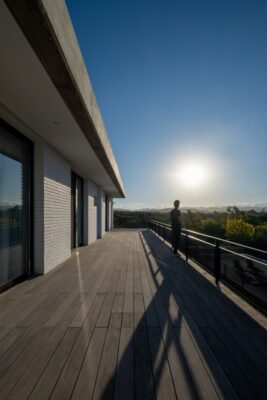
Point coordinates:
[[177, 224]]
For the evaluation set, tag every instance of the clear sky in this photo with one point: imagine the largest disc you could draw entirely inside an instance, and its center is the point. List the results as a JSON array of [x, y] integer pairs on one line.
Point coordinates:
[[182, 87]]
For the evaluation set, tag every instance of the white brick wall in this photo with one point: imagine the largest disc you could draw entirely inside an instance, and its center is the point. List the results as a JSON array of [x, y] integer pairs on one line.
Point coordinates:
[[92, 211], [52, 209], [57, 209]]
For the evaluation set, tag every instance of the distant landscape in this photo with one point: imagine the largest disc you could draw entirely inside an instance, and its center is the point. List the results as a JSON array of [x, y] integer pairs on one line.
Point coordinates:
[[240, 224]]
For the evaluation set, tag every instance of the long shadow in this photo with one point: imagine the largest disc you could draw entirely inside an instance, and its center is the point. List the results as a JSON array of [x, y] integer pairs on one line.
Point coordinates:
[[155, 362]]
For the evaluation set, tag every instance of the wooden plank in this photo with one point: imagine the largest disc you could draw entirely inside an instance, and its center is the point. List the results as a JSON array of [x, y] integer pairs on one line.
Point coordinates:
[[10, 306], [162, 375], [88, 302], [104, 316], [27, 307], [68, 376], [104, 387], [230, 314], [86, 380], [122, 280], [235, 375], [25, 339], [197, 365], [44, 387], [170, 325], [26, 383], [65, 305], [216, 373], [4, 331], [143, 377], [124, 387], [128, 299], [11, 377], [8, 340], [220, 381], [49, 377], [118, 303], [127, 320], [184, 385], [200, 377], [127, 317], [217, 321], [137, 285], [150, 312]]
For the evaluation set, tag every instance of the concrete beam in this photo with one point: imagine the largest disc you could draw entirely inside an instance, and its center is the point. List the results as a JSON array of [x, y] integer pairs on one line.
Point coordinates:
[[48, 28]]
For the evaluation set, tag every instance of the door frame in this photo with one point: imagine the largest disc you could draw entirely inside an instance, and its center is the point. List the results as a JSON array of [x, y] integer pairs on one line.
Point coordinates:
[[29, 256], [74, 243]]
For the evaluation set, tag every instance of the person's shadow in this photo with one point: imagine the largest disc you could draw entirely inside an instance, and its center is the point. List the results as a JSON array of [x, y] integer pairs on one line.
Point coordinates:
[[154, 355], [153, 338]]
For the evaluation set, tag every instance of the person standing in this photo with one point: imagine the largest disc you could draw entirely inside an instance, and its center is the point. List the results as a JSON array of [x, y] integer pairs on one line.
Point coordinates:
[[177, 224]]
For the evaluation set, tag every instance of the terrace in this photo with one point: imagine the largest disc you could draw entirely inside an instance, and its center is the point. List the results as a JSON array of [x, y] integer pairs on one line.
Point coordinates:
[[125, 319]]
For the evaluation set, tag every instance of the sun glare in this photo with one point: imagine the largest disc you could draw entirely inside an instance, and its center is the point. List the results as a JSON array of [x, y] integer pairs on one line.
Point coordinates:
[[192, 175]]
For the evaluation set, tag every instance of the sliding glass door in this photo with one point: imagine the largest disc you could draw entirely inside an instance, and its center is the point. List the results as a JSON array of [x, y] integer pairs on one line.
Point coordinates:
[[15, 205], [76, 210]]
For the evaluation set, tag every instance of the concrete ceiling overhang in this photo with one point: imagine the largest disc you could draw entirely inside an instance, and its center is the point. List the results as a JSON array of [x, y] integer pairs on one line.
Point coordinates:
[[45, 83]]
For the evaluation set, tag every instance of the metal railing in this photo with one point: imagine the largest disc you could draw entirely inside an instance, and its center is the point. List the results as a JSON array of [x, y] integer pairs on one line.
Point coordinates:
[[243, 267]]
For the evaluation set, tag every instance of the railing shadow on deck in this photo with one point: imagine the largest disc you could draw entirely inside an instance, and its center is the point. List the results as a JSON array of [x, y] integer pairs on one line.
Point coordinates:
[[161, 347]]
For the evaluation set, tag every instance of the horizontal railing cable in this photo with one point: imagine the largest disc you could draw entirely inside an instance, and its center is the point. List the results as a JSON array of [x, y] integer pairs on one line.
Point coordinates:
[[245, 272]]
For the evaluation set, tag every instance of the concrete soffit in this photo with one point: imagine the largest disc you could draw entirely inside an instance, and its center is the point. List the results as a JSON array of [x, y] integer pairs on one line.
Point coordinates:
[[47, 27]]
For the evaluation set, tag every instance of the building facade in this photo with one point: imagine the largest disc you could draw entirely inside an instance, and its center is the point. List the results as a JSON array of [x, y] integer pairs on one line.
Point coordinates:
[[58, 174]]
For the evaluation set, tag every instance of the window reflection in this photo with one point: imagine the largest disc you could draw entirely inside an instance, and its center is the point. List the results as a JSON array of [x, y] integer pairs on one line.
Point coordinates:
[[11, 232], [15, 189]]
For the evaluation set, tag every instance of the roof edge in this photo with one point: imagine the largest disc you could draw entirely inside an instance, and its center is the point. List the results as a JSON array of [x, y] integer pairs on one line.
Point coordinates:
[[48, 28]]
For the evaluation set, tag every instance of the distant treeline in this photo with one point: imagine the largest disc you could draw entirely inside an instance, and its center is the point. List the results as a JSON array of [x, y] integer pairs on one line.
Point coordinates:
[[246, 227]]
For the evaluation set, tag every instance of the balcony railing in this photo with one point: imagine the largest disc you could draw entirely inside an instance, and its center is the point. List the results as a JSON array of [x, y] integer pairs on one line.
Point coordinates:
[[242, 267]]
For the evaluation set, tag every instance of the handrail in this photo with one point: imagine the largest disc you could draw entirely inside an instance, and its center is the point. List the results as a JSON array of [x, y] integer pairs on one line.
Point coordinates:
[[214, 238], [215, 259], [244, 256], [218, 240], [200, 240]]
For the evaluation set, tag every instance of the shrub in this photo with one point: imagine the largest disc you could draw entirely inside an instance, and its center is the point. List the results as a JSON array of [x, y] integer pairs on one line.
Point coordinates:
[[212, 228], [239, 231], [260, 237]]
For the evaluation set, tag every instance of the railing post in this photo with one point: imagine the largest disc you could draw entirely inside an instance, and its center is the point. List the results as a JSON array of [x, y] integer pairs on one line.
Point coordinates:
[[186, 247], [217, 262], [164, 234]]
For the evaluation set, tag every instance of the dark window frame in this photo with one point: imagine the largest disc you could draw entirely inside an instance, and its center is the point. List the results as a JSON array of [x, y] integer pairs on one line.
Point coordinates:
[[74, 243], [29, 259]]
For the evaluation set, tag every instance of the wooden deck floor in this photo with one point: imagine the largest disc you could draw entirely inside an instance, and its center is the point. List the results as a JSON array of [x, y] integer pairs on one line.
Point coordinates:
[[125, 319]]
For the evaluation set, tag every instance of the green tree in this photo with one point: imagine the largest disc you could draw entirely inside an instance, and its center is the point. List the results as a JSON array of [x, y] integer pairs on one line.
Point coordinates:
[[239, 231]]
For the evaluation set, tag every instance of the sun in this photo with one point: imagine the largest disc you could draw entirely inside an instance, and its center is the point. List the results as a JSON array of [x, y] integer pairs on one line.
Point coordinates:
[[192, 175]]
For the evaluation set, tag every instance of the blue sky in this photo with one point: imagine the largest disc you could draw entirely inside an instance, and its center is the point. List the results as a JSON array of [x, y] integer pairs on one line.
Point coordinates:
[[181, 83]]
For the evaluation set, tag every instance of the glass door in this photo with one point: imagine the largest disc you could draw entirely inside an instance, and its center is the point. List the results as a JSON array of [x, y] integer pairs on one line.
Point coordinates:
[[15, 206], [107, 212], [79, 211], [76, 210]]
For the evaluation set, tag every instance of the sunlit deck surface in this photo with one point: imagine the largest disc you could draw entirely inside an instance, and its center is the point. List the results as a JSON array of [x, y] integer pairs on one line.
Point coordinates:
[[125, 319]]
